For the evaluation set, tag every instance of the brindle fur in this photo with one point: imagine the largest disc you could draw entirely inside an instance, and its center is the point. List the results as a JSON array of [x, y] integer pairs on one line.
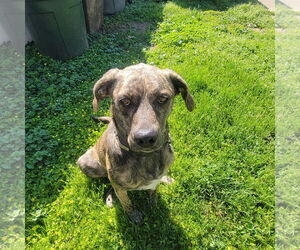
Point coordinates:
[[137, 167]]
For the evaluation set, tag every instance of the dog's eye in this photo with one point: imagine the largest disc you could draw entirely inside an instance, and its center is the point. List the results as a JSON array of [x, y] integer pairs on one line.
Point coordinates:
[[162, 99], [125, 101]]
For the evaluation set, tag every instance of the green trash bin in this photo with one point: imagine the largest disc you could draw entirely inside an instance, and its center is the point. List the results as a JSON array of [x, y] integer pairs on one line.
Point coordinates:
[[57, 27]]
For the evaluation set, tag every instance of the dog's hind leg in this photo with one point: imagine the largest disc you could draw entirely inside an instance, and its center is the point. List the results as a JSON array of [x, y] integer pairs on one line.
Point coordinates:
[[90, 165]]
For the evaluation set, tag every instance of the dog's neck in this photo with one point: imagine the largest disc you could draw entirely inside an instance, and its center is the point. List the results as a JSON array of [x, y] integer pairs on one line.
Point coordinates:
[[124, 144]]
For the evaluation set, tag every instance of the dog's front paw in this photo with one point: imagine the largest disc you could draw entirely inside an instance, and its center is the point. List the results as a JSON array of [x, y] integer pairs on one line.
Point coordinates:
[[109, 201], [136, 217], [167, 180]]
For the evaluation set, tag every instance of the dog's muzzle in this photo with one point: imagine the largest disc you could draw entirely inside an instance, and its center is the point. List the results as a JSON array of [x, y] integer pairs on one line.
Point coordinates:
[[146, 151]]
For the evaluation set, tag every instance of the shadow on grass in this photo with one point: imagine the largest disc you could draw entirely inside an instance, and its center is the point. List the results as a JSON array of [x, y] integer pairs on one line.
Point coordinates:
[[158, 230]]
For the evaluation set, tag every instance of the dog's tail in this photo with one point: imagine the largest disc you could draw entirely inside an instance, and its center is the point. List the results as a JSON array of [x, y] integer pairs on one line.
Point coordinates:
[[104, 119]]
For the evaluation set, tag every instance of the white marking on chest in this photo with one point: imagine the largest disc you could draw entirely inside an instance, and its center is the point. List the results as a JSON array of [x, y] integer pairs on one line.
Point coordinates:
[[152, 185]]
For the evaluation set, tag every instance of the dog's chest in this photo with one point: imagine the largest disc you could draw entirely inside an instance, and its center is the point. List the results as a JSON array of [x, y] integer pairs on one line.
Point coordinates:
[[140, 173], [152, 185]]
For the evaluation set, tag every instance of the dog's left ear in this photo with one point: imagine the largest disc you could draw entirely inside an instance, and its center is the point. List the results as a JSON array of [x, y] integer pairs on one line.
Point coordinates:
[[181, 87], [104, 87]]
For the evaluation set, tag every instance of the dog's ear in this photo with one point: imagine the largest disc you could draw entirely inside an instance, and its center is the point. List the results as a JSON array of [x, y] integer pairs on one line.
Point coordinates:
[[181, 87], [104, 87]]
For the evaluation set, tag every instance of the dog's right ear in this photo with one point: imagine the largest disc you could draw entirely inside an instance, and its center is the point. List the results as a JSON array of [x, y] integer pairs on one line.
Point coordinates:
[[181, 87], [104, 87]]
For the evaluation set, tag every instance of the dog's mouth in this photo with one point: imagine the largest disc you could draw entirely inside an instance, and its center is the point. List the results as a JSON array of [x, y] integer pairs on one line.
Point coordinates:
[[138, 149], [147, 150]]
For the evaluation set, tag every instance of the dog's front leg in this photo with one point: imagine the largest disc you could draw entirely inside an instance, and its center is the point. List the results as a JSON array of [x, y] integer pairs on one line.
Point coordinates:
[[122, 195], [134, 215], [124, 199]]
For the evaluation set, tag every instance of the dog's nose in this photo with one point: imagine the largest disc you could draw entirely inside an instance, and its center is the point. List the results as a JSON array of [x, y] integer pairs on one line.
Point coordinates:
[[145, 137]]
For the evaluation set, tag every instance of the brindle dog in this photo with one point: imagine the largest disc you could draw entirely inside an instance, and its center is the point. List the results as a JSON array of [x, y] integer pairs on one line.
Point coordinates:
[[134, 151]]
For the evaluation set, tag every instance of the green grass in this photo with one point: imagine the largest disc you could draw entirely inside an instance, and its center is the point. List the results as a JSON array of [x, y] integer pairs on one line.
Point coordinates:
[[223, 196]]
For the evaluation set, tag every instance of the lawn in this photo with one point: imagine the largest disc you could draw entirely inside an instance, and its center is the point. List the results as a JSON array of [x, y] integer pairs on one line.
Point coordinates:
[[223, 196]]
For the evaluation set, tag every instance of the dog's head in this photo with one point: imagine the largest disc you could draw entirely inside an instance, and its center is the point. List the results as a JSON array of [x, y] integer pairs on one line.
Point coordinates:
[[142, 98]]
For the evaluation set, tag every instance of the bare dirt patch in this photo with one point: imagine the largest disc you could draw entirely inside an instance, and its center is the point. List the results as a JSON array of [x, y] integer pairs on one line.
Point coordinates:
[[257, 30], [137, 27], [281, 30]]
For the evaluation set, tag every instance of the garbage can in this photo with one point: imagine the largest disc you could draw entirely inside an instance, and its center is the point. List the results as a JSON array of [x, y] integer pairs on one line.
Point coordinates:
[[93, 10], [57, 27], [113, 6]]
